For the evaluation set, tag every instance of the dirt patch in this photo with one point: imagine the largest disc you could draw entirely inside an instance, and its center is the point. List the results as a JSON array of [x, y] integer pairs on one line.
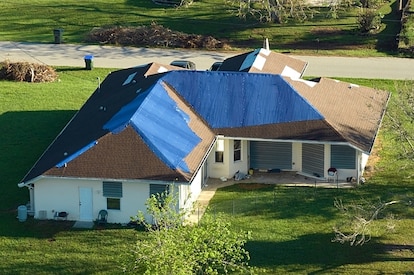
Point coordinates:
[[153, 35], [27, 72], [373, 159], [325, 31], [252, 186]]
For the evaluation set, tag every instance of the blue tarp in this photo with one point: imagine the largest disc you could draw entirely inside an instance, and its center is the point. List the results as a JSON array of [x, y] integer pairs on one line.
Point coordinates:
[[161, 124], [76, 154], [237, 99]]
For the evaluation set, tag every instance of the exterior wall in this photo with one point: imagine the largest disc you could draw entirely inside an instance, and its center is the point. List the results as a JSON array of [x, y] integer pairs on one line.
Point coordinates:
[[51, 195], [241, 165], [189, 193], [228, 167], [296, 156]]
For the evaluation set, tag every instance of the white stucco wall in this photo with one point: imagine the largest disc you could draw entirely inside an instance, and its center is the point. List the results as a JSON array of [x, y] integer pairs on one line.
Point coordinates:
[[57, 194], [228, 167], [296, 156]]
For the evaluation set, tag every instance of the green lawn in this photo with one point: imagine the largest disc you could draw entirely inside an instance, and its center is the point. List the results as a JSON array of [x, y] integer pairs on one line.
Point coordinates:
[[292, 227], [34, 21]]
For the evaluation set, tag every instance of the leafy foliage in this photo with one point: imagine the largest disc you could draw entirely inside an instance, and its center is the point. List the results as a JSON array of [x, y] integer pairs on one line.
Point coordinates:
[[174, 247], [369, 20]]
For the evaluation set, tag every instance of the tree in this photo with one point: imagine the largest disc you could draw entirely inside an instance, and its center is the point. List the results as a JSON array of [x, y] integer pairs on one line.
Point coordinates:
[[279, 11], [369, 20], [356, 228], [174, 247]]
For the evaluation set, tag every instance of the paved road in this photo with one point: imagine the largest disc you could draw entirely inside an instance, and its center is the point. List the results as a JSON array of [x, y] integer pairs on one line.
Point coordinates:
[[123, 57]]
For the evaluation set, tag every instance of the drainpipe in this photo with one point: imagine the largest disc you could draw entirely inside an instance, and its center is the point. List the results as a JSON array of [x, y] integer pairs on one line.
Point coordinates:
[[31, 211], [359, 168]]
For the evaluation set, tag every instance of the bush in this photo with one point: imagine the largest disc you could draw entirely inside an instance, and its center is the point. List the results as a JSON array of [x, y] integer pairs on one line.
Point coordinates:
[[369, 20]]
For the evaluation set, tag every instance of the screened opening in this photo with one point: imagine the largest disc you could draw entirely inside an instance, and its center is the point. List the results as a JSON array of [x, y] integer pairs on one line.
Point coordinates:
[[343, 157]]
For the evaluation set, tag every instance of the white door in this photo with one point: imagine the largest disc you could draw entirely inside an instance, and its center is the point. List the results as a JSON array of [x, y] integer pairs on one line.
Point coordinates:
[[85, 204]]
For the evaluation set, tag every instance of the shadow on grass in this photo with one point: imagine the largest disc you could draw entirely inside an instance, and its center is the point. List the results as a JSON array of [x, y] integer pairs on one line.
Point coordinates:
[[69, 69], [316, 252], [24, 136], [387, 38]]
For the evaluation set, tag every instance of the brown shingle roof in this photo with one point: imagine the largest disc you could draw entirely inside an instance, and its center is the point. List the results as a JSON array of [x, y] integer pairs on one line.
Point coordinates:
[[355, 112]]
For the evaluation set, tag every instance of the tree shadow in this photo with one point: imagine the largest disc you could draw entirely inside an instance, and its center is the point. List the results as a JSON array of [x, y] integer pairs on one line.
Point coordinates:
[[316, 254], [24, 136], [387, 39]]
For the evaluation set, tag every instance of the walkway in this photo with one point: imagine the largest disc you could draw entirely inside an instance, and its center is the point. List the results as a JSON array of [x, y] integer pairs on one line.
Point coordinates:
[[283, 178]]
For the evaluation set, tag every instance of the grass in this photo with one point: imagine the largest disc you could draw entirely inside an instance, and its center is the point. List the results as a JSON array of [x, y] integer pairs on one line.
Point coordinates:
[[292, 227], [34, 21]]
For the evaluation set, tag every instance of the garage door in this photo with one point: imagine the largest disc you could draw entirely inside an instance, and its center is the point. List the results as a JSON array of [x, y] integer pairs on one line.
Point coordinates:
[[313, 159], [270, 155]]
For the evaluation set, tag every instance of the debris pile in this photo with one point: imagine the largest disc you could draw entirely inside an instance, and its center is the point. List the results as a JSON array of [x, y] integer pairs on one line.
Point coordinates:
[[27, 72], [153, 35]]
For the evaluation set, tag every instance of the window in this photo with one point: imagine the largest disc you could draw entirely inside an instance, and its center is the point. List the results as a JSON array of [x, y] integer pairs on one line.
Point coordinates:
[[220, 150], [112, 203], [113, 193], [237, 149]]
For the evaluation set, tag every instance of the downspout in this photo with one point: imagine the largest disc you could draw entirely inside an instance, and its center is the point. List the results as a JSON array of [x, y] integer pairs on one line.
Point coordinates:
[[359, 168]]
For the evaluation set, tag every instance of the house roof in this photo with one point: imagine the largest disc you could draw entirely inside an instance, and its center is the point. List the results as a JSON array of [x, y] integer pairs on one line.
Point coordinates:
[[129, 100], [355, 112], [149, 122], [265, 61]]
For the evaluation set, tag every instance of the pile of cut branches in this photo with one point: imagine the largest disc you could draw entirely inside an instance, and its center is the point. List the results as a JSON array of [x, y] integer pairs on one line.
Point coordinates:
[[28, 72], [153, 35]]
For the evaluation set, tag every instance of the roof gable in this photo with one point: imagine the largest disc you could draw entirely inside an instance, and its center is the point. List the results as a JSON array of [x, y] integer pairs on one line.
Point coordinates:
[[161, 124], [265, 61]]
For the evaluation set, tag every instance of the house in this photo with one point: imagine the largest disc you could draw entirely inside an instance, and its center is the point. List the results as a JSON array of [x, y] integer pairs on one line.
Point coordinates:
[[148, 127]]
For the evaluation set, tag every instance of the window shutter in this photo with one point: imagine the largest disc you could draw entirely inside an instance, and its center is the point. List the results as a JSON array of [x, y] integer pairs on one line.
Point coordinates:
[[112, 189]]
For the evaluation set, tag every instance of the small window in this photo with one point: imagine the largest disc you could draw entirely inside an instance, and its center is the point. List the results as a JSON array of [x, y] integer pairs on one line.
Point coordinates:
[[237, 150], [113, 193], [113, 203], [219, 156]]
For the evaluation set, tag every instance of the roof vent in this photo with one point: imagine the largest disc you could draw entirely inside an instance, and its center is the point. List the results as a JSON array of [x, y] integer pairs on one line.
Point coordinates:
[[266, 44]]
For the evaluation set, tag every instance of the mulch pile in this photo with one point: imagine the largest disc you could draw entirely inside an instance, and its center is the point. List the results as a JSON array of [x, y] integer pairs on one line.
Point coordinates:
[[28, 72], [152, 36]]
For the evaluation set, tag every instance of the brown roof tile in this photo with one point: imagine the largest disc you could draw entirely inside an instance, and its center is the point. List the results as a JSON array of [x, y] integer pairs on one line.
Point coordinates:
[[355, 112]]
